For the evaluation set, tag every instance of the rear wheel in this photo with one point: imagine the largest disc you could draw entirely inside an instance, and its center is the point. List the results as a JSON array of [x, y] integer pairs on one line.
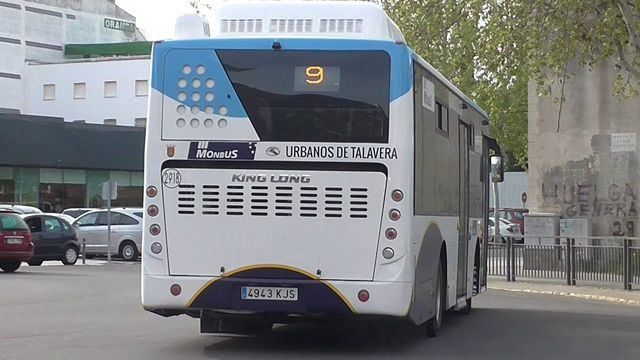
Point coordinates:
[[9, 266], [34, 262], [467, 308], [433, 325], [128, 251], [70, 255]]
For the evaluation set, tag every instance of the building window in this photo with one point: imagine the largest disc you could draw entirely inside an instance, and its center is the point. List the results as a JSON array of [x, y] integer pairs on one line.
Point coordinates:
[[49, 92], [442, 117], [110, 122], [110, 89], [79, 90], [142, 88], [141, 122]]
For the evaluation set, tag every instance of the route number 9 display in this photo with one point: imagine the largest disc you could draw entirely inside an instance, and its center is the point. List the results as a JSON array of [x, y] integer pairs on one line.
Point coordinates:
[[317, 78]]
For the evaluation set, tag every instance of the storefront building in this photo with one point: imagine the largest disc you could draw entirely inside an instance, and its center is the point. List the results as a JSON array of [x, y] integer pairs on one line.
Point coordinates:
[[54, 165]]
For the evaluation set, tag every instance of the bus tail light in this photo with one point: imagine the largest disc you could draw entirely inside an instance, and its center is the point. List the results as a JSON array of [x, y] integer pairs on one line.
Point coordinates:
[[397, 195], [391, 233], [154, 229], [363, 295], [152, 191], [156, 248], [388, 253], [394, 214], [152, 210], [175, 289]]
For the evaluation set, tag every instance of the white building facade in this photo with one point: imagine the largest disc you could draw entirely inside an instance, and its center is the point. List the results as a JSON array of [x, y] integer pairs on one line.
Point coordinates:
[[37, 30], [110, 91]]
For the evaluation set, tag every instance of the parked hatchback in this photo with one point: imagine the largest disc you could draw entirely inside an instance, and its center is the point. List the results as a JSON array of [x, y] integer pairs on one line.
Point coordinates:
[[126, 232], [54, 239], [506, 228], [16, 244], [513, 215], [76, 212]]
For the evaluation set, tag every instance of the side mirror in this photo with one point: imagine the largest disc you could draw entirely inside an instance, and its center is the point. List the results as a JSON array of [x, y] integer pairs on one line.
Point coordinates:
[[497, 169]]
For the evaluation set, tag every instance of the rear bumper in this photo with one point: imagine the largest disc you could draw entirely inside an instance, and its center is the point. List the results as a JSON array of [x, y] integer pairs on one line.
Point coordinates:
[[316, 296], [16, 255]]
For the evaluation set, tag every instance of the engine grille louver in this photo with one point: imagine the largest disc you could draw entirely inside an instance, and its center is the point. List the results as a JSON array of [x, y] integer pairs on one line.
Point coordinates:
[[273, 200]]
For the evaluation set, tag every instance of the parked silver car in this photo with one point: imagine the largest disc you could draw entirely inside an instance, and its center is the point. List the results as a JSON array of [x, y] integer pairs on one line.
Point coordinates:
[[126, 232]]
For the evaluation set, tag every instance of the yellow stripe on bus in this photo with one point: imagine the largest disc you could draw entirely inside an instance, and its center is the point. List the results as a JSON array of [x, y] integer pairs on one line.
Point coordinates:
[[271, 266]]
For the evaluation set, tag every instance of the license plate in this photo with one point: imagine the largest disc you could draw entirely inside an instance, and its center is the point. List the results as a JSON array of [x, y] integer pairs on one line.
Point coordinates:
[[14, 241], [269, 293]]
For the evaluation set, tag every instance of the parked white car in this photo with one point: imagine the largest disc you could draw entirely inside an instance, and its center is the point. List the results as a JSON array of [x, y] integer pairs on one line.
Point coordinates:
[[506, 228], [126, 232], [21, 209], [76, 212]]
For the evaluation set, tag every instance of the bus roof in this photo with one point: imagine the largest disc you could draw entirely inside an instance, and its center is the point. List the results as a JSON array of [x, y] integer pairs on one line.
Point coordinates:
[[312, 19], [330, 19]]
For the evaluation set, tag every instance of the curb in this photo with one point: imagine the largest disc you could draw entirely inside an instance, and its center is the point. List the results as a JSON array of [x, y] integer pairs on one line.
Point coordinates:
[[573, 294]]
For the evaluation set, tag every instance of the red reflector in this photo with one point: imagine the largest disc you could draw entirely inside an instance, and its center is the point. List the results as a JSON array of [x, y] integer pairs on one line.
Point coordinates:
[[152, 191], [175, 289], [154, 229], [363, 295], [391, 234], [397, 195], [152, 210]]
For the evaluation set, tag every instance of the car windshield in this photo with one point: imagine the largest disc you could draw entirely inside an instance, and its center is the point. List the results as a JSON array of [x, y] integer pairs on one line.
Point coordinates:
[[75, 213], [12, 222]]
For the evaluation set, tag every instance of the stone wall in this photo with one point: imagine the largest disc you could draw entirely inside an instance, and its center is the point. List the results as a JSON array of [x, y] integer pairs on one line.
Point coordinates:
[[589, 168]]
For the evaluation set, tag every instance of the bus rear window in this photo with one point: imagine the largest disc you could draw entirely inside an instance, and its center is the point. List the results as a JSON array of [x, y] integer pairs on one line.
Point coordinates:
[[314, 96]]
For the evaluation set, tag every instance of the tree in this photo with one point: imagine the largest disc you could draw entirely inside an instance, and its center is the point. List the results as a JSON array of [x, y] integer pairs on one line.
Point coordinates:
[[492, 48]]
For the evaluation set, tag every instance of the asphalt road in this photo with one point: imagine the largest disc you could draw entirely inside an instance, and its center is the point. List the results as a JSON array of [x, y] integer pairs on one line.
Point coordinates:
[[94, 312]]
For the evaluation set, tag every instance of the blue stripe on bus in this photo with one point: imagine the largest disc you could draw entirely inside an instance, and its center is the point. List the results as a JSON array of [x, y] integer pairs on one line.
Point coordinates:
[[168, 61], [314, 295], [223, 92]]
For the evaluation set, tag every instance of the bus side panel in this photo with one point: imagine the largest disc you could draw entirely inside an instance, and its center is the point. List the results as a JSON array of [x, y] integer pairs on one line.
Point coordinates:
[[423, 305]]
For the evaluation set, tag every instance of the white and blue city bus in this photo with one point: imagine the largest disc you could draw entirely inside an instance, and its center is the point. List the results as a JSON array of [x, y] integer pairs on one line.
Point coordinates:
[[302, 163]]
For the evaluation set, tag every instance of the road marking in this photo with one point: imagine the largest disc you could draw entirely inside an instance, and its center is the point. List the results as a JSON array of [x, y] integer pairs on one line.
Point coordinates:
[[572, 294]]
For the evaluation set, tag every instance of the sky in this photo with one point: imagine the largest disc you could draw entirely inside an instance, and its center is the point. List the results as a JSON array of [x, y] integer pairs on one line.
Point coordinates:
[[156, 18]]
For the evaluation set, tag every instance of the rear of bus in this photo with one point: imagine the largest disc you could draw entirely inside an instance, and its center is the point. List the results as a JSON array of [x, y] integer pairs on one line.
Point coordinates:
[[277, 174]]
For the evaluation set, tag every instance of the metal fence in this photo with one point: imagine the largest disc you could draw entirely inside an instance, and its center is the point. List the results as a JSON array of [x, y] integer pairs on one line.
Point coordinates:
[[607, 260]]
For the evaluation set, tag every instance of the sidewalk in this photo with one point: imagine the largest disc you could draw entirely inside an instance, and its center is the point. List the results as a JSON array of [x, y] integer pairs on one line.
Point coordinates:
[[619, 296]]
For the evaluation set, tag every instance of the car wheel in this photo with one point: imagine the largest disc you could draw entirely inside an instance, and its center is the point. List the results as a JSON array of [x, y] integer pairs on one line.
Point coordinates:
[[34, 262], [70, 255], [433, 325], [10, 266], [128, 251]]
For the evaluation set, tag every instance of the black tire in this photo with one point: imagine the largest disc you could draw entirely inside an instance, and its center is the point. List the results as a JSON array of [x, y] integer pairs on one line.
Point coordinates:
[[9, 266], [468, 307], [70, 255], [128, 251], [434, 324], [34, 262]]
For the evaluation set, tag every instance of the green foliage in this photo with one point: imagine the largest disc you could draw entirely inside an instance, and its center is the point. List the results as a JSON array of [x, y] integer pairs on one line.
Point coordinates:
[[492, 48]]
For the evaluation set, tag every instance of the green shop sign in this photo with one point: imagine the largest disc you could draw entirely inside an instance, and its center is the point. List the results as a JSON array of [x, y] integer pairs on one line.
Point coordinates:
[[119, 25]]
